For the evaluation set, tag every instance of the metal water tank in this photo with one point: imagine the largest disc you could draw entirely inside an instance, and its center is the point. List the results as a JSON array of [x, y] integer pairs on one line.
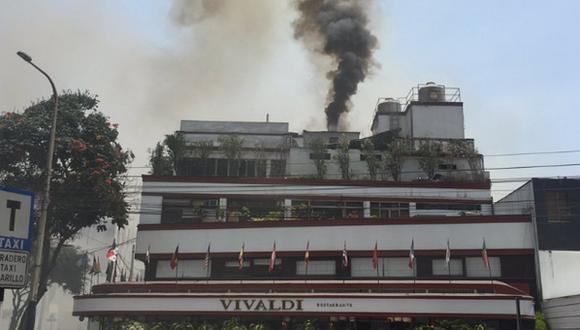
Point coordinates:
[[389, 105], [431, 92]]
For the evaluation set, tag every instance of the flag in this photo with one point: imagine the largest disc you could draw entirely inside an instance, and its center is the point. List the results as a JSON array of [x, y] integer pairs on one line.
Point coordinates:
[[112, 252], [148, 256], [241, 257], [448, 254], [376, 256], [96, 269], [109, 271], [272, 259], [307, 254], [174, 258], [93, 266], [412, 254], [484, 255], [206, 260], [344, 256]]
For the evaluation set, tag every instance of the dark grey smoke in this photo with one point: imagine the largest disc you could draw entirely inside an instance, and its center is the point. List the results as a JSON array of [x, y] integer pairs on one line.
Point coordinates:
[[338, 28]]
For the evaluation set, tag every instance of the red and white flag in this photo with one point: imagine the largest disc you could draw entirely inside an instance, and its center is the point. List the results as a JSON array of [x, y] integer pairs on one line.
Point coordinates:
[[376, 256], [412, 254], [272, 259], [112, 252], [344, 256], [207, 257], [448, 254], [484, 255]]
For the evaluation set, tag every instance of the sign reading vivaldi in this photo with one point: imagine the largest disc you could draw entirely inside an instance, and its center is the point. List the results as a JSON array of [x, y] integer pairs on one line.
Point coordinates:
[[265, 305]]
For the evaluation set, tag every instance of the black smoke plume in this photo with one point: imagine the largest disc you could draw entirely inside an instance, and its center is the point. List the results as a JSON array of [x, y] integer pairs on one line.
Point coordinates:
[[338, 29]]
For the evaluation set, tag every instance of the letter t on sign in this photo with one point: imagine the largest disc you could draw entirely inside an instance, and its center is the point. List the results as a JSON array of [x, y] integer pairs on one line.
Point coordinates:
[[13, 206]]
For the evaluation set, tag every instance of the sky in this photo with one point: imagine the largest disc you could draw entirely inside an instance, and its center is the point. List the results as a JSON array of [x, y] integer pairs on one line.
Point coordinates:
[[153, 64]]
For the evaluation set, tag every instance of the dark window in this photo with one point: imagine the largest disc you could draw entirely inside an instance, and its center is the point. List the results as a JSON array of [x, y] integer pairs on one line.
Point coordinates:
[[557, 206], [261, 168], [364, 157], [325, 156], [457, 207], [333, 140], [447, 167], [277, 168], [390, 210], [189, 210], [222, 167]]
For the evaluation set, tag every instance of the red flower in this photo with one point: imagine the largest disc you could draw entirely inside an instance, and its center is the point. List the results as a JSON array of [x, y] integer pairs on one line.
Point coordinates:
[[109, 181], [115, 126], [95, 173], [100, 160]]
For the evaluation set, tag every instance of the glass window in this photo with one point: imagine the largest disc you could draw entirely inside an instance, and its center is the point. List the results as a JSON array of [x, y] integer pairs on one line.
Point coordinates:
[[388, 267], [236, 264], [266, 262], [440, 267], [316, 267], [185, 269], [476, 268], [390, 210]]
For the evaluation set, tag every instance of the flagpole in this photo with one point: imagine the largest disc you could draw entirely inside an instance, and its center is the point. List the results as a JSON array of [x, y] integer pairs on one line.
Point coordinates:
[[490, 278], [414, 275], [132, 262]]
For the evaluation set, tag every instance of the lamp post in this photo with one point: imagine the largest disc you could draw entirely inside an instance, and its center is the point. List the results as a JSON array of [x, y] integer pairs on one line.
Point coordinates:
[[30, 315]]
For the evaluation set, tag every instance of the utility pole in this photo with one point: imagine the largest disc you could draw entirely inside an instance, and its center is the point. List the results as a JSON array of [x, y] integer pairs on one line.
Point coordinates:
[[30, 314]]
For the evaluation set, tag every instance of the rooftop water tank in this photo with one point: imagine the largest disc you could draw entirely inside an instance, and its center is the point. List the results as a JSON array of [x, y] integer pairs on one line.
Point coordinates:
[[389, 105], [431, 92]]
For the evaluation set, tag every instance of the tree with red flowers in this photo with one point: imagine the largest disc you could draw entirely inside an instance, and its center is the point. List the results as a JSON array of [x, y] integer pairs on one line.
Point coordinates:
[[89, 167]]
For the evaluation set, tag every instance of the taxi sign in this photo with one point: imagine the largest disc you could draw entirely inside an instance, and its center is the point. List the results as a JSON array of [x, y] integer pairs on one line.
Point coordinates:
[[16, 219]]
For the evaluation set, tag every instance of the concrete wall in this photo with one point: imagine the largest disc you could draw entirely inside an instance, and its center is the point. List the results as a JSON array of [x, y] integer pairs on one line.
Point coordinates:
[[233, 127], [562, 313], [516, 235], [437, 121], [520, 201], [560, 273]]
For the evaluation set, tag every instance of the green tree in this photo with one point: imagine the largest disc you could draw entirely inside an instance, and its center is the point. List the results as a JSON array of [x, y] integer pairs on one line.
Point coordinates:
[[159, 161], [175, 144], [429, 158], [342, 158], [393, 158], [371, 158], [231, 146], [88, 172], [318, 151], [202, 149]]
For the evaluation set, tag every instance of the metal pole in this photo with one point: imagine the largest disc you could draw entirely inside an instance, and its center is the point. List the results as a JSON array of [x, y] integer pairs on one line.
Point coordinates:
[[518, 313], [41, 225], [132, 263]]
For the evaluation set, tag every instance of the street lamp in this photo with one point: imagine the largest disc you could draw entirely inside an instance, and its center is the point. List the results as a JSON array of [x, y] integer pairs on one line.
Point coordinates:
[[30, 314]]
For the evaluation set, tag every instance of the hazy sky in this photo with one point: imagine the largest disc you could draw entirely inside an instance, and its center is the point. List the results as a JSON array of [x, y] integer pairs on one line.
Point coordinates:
[[515, 62]]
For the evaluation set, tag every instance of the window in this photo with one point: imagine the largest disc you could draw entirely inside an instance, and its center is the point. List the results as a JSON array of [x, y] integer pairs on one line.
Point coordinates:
[[457, 207], [316, 267], [447, 167], [185, 269], [261, 168], [364, 157], [557, 206], [324, 156], [277, 168], [184, 210], [388, 267], [476, 268], [390, 210], [440, 267], [236, 264], [266, 262]]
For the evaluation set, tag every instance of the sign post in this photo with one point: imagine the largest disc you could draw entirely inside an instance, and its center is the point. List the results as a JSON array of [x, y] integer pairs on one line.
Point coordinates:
[[15, 236]]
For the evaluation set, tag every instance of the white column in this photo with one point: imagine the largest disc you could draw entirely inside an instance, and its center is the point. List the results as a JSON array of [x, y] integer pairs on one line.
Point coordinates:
[[367, 209], [287, 209], [412, 209], [268, 168]]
